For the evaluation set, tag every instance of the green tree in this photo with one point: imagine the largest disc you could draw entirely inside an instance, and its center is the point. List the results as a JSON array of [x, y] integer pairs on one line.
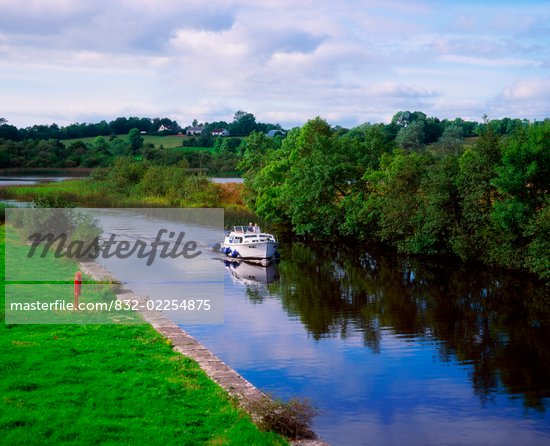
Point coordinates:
[[411, 137], [477, 168], [255, 150], [120, 147], [436, 219], [243, 124], [135, 140], [452, 139], [101, 146], [522, 184], [399, 202]]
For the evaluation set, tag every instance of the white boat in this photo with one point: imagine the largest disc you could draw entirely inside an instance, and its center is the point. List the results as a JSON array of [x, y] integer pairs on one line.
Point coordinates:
[[249, 242]]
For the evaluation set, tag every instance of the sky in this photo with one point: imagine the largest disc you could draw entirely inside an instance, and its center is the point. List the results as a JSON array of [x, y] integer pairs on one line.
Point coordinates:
[[348, 61]]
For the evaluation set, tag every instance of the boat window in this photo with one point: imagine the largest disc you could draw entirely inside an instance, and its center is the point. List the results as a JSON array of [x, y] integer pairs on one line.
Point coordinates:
[[249, 236], [238, 239]]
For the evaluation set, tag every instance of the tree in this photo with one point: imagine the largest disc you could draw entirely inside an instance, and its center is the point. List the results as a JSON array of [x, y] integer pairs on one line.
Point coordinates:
[[521, 182], [411, 137], [452, 139], [398, 191], [101, 146], [255, 153], [243, 124], [135, 139], [120, 147], [436, 219], [477, 168]]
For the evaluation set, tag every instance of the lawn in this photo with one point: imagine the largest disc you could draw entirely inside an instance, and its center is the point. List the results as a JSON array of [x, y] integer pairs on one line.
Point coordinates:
[[108, 384]]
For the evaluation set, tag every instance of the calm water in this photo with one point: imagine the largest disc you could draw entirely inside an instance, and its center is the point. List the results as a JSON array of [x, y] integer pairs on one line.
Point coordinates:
[[227, 180], [394, 351], [26, 180], [13, 180], [391, 351]]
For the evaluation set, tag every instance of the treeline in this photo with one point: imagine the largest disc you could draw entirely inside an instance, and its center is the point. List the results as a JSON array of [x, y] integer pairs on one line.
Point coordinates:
[[54, 153], [482, 200], [242, 125], [119, 126], [103, 151]]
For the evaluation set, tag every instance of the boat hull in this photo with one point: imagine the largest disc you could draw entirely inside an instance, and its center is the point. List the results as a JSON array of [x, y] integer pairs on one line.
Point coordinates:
[[255, 251]]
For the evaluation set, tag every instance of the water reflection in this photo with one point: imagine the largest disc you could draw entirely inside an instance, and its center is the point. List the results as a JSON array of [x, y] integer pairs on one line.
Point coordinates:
[[6, 180], [496, 323], [252, 274]]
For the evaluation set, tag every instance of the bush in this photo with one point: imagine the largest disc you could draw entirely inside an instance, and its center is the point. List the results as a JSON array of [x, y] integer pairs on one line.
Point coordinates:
[[289, 418]]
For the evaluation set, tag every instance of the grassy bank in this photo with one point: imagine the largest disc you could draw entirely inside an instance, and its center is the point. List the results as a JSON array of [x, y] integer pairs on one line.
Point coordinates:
[[95, 193], [108, 384]]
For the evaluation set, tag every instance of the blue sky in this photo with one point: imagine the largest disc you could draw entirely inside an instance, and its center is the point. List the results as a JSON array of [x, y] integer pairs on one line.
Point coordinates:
[[350, 62]]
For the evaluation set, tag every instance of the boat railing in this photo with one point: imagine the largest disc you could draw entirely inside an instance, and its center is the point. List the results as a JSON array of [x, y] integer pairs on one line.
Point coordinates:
[[247, 229], [262, 236]]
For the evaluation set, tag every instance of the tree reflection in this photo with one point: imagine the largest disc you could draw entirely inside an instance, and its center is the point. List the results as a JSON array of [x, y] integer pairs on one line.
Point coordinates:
[[494, 321]]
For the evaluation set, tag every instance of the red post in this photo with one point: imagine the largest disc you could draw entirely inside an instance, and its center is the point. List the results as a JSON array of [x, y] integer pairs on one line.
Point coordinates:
[[77, 288]]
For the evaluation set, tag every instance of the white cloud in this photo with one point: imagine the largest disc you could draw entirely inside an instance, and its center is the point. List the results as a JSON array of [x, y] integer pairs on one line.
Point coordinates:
[[347, 61], [528, 89]]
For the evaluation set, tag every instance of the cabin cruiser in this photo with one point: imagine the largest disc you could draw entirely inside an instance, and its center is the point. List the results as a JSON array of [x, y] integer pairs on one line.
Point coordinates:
[[249, 242]]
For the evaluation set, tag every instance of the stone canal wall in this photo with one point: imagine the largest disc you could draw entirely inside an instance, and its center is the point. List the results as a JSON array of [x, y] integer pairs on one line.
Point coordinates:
[[246, 393]]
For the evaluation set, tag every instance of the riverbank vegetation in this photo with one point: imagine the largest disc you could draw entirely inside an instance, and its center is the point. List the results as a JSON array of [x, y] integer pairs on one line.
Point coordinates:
[[130, 183], [486, 200], [108, 384], [476, 191]]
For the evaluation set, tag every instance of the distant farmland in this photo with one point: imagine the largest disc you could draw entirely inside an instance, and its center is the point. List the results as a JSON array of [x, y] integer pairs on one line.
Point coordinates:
[[168, 141]]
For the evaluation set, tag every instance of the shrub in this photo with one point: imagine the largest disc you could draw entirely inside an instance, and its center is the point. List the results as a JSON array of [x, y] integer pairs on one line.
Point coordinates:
[[289, 418]]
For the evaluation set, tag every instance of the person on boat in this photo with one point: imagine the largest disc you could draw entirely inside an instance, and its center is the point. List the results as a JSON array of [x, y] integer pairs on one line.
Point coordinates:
[[250, 227], [256, 228]]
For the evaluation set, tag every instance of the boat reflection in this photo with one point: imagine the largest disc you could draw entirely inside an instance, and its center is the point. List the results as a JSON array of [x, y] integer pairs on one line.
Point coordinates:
[[252, 273]]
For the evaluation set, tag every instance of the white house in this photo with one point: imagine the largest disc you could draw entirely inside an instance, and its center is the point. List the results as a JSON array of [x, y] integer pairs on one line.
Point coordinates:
[[194, 131], [219, 132]]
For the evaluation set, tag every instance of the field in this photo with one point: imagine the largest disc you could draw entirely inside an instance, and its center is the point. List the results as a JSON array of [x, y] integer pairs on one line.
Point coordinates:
[[168, 141], [108, 384]]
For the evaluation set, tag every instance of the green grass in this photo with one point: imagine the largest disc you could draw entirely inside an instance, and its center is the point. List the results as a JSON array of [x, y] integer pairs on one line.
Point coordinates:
[[81, 192], [60, 193], [167, 141], [109, 385], [88, 192]]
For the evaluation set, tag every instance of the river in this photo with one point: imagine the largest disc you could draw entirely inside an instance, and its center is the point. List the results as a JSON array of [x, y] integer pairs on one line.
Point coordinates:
[[391, 350]]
